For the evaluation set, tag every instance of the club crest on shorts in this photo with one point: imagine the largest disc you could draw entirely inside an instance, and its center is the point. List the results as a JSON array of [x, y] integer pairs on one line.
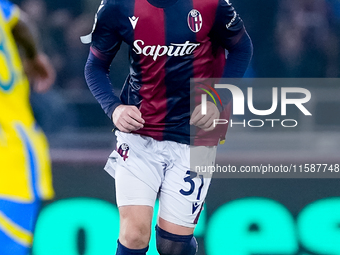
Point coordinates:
[[195, 20], [123, 151]]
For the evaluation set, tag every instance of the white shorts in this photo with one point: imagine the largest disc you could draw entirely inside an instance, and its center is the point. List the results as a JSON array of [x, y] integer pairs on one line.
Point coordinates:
[[145, 169]]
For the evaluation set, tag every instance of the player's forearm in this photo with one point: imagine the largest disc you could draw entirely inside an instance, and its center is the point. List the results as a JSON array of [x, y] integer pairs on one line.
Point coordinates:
[[23, 36], [97, 78]]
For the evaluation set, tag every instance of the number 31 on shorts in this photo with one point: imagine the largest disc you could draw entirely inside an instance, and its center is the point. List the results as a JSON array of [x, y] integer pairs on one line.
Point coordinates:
[[190, 179]]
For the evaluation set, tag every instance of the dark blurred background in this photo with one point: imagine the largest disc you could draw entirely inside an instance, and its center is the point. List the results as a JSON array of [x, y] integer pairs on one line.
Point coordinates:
[[292, 39]]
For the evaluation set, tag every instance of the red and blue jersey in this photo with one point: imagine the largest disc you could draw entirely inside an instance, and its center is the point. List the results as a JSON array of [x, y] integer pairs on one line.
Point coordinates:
[[170, 41]]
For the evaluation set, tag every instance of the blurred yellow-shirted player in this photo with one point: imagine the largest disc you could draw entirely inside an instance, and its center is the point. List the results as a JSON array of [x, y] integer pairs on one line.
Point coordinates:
[[25, 171]]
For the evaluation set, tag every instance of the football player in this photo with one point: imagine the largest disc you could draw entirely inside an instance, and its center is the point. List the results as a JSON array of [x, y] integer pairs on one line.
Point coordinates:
[[170, 41]]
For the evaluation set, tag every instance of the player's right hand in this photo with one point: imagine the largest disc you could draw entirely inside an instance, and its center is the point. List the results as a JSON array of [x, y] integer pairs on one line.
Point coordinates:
[[127, 118]]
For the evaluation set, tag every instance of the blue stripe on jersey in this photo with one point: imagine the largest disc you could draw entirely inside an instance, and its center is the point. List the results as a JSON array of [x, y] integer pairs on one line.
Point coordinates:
[[4, 50], [130, 91], [178, 79], [32, 160]]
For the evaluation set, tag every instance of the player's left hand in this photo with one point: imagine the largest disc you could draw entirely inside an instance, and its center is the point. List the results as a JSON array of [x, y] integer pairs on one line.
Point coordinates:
[[41, 72], [205, 122]]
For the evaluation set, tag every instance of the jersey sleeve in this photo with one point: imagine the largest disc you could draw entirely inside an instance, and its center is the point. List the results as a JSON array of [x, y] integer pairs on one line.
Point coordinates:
[[106, 42], [229, 32], [105, 36], [228, 27], [10, 11]]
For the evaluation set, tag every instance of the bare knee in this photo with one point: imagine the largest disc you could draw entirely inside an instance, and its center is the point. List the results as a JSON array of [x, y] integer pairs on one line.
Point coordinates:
[[135, 237], [135, 226]]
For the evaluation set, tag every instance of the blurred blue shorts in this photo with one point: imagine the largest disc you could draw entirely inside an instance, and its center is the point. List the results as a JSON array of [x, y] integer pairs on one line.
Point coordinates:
[[17, 222]]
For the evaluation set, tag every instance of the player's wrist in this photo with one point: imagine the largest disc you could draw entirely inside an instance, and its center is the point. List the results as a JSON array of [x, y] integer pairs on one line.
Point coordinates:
[[110, 112]]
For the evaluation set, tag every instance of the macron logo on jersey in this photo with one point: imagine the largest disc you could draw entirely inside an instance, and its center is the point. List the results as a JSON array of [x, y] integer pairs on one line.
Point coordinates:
[[133, 21], [155, 51]]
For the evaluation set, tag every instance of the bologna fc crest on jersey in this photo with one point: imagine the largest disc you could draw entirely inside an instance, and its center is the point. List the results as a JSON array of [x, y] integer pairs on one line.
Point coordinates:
[[123, 151], [195, 21]]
